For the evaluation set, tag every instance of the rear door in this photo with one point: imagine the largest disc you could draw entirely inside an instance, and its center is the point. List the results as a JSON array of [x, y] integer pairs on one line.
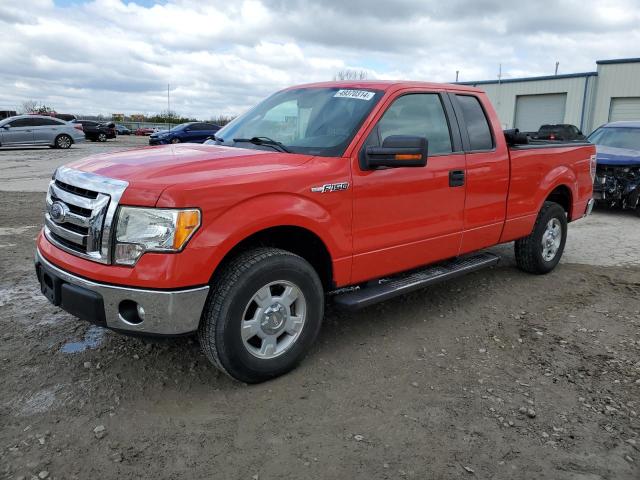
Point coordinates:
[[487, 171], [45, 130], [406, 217], [198, 132], [20, 131]]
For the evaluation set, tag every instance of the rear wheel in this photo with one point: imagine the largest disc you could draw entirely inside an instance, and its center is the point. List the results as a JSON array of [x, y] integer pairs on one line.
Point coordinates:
[[63, 141], [541, 251], [102, 137], [263, 314]]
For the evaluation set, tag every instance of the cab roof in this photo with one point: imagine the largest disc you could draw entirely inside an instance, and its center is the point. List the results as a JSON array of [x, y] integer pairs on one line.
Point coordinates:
[[386, 85]]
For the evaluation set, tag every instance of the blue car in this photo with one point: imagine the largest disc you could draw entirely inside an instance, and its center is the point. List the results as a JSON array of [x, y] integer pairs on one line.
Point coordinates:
[[617, 181], [192, 132]]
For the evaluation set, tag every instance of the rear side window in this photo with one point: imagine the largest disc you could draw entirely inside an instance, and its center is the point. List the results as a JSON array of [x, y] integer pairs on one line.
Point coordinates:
[[47, 121], [480, 137], [199, 126], [417, 114]]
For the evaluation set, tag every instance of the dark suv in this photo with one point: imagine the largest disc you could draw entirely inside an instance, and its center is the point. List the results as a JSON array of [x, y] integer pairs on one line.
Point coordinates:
[[96, 131], [192, 132], [562, 131]]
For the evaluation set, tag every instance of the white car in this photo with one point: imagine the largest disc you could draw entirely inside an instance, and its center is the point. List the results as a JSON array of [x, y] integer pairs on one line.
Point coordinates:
[[39, 130]]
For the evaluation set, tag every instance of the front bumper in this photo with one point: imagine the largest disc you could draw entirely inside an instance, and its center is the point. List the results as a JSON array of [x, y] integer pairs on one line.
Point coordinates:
[[158, 141], [166, 312]]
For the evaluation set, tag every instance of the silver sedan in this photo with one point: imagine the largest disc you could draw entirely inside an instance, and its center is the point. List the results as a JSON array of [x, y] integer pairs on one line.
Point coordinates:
[[39, 130]]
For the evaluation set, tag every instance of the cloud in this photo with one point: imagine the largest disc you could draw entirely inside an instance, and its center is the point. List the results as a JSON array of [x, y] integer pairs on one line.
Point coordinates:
[[221, 57]]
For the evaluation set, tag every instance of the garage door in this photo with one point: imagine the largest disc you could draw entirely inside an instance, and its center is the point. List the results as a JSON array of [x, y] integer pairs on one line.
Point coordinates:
[[535, 110], [624, 108]]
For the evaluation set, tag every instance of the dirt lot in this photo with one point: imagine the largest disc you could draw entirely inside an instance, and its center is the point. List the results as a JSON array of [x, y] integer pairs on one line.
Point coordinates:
[[496, 375]]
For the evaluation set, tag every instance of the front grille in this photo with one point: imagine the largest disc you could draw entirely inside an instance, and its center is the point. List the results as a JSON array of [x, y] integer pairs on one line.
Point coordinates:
[[80, 209], [76, 190]]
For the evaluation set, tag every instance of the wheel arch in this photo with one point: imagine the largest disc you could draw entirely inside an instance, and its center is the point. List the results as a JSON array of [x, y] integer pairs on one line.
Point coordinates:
[[559, 186], [293, 238]]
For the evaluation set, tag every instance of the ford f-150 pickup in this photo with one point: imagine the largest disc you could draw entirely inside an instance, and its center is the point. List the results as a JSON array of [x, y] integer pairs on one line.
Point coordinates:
[[367, 190]]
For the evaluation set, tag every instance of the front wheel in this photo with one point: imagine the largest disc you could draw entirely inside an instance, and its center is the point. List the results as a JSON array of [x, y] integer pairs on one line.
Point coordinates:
[[540, 252], [175, 140], [263, 314], [102, 137]]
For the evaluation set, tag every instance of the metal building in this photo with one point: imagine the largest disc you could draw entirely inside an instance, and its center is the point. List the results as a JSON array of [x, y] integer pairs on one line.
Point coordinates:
[[586, 100]]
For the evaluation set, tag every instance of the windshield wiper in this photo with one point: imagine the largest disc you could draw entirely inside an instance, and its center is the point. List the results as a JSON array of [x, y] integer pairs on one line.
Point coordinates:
[[269, 142]]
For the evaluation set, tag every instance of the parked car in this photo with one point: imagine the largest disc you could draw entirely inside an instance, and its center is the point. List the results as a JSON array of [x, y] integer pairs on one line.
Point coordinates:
[[146, 131], [97, 131], [563, 131], [38, 130], [617, 180], [7, 113], [192, 132], [317, 188], [122, 130]]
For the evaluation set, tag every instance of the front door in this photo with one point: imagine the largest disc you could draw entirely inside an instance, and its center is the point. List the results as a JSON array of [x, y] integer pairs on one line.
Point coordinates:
[[405, 217], [20, 131]]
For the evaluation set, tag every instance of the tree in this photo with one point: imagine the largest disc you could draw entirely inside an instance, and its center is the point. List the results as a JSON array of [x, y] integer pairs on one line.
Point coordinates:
[[351, 75], [29, 106]]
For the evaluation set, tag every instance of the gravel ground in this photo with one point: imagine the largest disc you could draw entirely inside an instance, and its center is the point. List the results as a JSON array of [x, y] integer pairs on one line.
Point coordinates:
[[526, 377]]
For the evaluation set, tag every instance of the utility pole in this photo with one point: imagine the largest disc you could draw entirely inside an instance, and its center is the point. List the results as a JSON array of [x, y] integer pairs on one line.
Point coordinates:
[[457, 72], [557, 65], [168, 105]]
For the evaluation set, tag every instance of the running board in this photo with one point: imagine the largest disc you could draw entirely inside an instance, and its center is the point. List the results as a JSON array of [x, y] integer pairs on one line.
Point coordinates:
[[394, 286]]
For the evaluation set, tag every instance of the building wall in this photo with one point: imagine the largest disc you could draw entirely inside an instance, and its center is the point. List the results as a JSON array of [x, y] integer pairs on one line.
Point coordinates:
[[503, 96], [588, 94], [614, 80]]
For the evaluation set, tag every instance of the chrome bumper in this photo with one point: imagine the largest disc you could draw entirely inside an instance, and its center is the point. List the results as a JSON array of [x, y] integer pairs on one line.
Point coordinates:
[[172, 312]]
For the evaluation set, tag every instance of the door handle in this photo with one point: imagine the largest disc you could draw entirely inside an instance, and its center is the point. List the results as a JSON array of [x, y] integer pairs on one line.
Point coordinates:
[[456, 178]]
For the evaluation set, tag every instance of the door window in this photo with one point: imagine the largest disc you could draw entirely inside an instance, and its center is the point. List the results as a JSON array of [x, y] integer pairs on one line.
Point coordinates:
[[41, 122], [419, 115], [480, 137], [22, 122]]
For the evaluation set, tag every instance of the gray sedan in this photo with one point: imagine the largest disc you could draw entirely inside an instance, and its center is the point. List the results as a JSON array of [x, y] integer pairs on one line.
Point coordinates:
[[39, 130]]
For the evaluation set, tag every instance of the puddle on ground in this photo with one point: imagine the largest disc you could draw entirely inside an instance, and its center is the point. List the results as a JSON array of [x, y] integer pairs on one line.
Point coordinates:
[[92, 339]]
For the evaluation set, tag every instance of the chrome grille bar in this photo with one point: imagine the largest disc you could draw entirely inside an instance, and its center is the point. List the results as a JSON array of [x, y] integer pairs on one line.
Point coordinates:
[[79, 217]]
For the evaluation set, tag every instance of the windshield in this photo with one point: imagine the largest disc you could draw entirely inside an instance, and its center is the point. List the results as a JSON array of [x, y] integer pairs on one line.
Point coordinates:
[[618, 137], [315, 121], [180, 127]]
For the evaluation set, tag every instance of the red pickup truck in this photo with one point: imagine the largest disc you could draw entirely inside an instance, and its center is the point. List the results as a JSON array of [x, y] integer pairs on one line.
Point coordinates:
[[382, 187]]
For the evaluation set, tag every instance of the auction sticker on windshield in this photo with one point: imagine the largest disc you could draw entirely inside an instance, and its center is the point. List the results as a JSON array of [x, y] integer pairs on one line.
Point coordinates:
[[359, 94]]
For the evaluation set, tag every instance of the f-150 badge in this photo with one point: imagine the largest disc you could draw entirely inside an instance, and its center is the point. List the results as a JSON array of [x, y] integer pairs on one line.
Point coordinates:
[[331, 187]]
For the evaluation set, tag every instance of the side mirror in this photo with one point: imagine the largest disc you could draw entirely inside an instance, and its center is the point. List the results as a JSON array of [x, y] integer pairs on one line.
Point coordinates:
[[396, 151]]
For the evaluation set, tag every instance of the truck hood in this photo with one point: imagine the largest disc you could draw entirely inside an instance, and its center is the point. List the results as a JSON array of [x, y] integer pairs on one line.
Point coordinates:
[[617, 156], [150, 170]]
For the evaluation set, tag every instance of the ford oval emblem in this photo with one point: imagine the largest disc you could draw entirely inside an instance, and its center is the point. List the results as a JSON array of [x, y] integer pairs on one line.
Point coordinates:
[[58, 212]]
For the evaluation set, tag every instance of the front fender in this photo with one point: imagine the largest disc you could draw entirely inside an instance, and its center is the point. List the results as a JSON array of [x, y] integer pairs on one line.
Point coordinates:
[[219, 235]]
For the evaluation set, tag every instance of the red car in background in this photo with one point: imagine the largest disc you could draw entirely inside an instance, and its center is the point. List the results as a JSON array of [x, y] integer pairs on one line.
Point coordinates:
[[145, 131]]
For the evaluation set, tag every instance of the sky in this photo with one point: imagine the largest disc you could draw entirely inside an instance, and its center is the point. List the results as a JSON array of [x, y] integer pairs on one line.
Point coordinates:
[[222, 57]]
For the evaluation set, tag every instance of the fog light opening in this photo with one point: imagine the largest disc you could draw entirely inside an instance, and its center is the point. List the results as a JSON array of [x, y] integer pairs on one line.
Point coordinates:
[[131, 312]]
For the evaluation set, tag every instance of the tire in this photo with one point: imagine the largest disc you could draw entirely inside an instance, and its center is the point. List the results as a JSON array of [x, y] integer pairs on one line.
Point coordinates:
[[175, 140], [531, 254], [63, 141], [232, 307], [102, 137]]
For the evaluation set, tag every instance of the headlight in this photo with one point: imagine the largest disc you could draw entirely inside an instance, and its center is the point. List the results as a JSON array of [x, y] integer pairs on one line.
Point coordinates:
[[141, 230]]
